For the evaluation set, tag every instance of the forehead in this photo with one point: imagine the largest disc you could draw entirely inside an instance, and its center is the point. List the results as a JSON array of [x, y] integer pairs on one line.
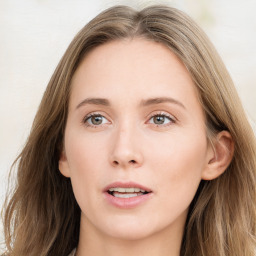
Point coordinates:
[[129, 67]]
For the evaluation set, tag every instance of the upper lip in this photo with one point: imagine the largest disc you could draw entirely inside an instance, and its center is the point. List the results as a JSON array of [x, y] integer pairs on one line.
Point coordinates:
[[130, 184]]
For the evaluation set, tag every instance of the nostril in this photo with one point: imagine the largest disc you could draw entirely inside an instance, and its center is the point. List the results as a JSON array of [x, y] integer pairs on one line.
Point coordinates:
[[117, 163]]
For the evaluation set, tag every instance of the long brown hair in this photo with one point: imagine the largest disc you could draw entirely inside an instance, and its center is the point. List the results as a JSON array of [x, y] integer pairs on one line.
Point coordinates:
[[42, 216]]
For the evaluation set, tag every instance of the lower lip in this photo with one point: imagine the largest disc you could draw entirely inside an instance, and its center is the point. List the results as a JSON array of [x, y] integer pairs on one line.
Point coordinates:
[[127, 203]]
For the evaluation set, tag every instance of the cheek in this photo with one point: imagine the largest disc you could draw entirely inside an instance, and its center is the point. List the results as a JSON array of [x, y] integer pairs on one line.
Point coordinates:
[[84, 151], [85, 158], [178, 165]]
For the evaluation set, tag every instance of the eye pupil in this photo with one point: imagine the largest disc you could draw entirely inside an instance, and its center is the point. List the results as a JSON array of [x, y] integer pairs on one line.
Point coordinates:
[[159, 119], [96, 120]]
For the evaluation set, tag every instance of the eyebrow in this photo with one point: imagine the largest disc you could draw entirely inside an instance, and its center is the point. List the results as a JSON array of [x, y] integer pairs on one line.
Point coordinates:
[[144, 103], [159, 100], [94, 101]]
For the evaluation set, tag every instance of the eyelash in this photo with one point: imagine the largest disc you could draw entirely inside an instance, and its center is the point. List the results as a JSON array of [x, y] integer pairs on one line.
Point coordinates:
[[160, 114], [165, 115], [86, 118]]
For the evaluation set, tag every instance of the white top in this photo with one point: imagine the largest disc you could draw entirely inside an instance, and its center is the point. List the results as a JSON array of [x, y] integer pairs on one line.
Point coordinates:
[[72, 253]]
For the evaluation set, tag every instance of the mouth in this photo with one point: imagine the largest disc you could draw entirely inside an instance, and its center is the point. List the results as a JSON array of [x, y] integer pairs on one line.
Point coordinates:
[[121, 192], [127, 195]]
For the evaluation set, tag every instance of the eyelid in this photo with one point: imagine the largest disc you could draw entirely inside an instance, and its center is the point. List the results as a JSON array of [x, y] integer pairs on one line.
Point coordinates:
[[92, 114], [172, 118]]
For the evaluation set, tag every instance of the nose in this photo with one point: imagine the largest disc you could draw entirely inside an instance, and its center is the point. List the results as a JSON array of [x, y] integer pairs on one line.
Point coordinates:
[[126, 149]]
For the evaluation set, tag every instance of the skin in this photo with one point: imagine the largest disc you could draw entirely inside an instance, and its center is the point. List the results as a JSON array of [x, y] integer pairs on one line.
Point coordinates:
[[130, 145]]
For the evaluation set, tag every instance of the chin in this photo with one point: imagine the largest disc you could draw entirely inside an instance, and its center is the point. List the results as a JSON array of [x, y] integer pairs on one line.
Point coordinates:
[[131, 234], [135, 229]]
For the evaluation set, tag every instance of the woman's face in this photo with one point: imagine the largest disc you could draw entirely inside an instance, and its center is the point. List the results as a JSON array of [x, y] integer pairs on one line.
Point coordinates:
[[135, 141]]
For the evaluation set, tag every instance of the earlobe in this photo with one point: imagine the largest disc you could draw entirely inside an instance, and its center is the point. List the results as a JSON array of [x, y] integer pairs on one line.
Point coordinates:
[[219, 156], [63, 165]]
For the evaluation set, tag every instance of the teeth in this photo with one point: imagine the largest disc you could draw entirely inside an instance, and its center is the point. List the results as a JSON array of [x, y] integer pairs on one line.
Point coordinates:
[[126, 195], [126, 190]]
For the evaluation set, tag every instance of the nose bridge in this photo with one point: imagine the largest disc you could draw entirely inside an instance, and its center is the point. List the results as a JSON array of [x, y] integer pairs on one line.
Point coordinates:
[[126, 150]]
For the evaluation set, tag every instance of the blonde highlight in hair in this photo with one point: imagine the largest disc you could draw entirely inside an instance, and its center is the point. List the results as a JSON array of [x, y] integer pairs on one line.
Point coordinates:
[[42, 216]]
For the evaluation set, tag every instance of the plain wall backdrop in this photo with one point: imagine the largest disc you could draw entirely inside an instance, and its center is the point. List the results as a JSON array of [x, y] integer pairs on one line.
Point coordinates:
[[35, 33]]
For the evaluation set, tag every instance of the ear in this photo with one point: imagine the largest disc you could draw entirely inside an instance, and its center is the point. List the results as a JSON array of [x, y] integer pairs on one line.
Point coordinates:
[[219, 156], [63, 165]]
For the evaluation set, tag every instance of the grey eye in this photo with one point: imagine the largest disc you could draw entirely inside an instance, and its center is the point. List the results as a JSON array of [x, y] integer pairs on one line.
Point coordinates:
[[159, 119], [96, 120]]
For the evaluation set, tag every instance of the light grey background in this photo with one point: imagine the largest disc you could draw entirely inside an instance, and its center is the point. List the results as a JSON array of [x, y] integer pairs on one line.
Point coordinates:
[[35, 33]]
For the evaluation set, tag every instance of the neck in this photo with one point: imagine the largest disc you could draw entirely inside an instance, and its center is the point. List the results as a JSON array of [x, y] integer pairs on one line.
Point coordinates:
[[166, 242]]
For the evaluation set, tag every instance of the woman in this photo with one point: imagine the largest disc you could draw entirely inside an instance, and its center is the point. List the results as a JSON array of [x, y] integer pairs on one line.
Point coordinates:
[[140, 145]]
